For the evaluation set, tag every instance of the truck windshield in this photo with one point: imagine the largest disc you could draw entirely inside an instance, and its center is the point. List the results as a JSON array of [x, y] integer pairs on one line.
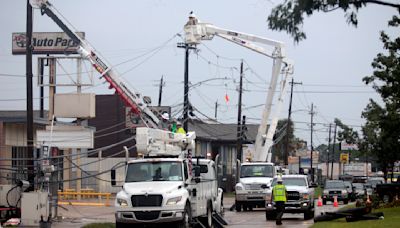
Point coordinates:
[[154, 171], [257, 171], [288, 181]]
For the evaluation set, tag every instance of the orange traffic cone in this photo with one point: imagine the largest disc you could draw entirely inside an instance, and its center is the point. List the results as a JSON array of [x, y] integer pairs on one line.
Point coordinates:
[[335, 203], [319, 204]]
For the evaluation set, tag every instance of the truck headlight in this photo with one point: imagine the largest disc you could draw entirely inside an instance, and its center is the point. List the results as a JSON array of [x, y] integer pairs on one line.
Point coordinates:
[[326, 192], [174, 200], [344, 192], [238, 188], [122, 202]]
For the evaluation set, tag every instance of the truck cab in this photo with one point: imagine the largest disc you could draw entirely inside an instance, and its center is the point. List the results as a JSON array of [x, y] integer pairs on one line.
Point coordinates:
[[255, 179], [162, 190]]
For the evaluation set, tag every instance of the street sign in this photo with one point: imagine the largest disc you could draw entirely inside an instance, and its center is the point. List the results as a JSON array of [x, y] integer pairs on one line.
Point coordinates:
[[344, 158]]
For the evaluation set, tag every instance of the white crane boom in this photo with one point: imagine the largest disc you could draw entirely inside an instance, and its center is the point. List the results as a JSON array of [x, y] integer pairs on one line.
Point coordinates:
[[196, 31]]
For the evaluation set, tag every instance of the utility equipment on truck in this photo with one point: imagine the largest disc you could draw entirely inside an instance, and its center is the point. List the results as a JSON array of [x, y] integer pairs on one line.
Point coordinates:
[[251, 189]]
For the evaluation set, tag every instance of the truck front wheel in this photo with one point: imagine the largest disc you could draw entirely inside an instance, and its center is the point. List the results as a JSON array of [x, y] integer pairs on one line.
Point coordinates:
[[309, 214], [270, 215], [120, 225]]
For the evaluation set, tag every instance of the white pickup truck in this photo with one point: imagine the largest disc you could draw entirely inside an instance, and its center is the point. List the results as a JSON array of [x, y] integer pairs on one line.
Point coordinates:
[[300, 197], [255, 179], [161, 190]]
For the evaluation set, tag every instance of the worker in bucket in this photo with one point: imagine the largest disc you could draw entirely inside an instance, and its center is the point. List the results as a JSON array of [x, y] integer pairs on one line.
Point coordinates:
[[179, 128], [279, 196], [165, 121]]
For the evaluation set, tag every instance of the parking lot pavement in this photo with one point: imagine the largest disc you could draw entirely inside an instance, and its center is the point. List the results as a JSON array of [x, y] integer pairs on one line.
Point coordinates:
[[77, 216]]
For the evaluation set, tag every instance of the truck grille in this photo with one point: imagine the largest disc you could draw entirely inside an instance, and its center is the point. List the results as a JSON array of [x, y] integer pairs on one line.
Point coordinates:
[[335, 192], [292, 195], [253, 186], [146, 200], [147, 215]]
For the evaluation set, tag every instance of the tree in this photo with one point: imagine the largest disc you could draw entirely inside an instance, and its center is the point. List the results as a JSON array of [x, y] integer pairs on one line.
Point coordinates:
[[280, 142], [289, 15], [381, 131], [347, 133]]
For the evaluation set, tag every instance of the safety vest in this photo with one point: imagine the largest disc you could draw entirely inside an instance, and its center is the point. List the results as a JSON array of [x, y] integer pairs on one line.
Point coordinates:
[[279, 192], [181, 131]]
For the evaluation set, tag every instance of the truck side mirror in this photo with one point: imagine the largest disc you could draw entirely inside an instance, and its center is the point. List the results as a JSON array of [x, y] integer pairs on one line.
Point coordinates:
[[313, 185], [113, 181]]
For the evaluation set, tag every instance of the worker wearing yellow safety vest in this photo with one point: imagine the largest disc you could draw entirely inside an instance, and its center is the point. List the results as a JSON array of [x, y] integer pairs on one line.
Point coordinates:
[[179, 128], [279, 195]]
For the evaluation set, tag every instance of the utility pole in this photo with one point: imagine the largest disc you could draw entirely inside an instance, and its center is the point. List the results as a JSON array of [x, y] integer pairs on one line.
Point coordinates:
[[329, 151], [286, 155], [186, 85], [29, 96], [333, 151], [239, 118], [216, 110], [160, 90], [312, 147]]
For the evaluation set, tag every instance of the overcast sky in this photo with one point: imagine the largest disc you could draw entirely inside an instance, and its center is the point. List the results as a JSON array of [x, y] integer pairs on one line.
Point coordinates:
[[330, 63]]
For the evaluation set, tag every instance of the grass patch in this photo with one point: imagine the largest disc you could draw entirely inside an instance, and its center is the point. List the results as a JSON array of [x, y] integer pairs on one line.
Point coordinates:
[[99, 225], [392, 219]]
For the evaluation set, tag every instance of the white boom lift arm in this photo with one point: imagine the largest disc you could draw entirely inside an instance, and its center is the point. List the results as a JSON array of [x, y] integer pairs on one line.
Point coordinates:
[[132, 98], [196, 31]]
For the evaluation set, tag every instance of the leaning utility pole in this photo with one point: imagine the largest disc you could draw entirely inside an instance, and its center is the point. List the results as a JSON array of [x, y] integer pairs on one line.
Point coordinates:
[[186, 85], [286, 155], [312, 147], [239, 118], [29, 96], [160, 90]]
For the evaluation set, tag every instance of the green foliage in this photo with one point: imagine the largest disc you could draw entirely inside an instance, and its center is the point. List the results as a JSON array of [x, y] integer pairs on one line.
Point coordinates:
[[100, 225], [289, 16], [347, 133], [381, 131]]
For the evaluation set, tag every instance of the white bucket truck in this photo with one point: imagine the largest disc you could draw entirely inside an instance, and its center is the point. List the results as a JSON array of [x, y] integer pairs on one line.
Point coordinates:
[[161, 187]]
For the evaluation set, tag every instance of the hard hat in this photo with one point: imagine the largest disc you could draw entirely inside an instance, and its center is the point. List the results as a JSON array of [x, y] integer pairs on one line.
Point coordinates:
[[165, 116], [191, 14], [279, 179], [178, 123]]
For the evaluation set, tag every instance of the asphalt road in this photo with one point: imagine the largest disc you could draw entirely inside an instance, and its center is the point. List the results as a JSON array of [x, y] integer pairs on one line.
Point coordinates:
[[77, 216]]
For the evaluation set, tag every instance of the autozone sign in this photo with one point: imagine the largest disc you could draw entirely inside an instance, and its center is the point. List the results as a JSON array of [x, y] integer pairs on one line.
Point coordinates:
[[45, 43]]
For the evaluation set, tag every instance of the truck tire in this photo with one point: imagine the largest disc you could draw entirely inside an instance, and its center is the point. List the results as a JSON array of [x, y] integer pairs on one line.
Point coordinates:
[[209, 221], [238, 206], [187, 217], [270, 215], [120, 225], [309, 214]]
